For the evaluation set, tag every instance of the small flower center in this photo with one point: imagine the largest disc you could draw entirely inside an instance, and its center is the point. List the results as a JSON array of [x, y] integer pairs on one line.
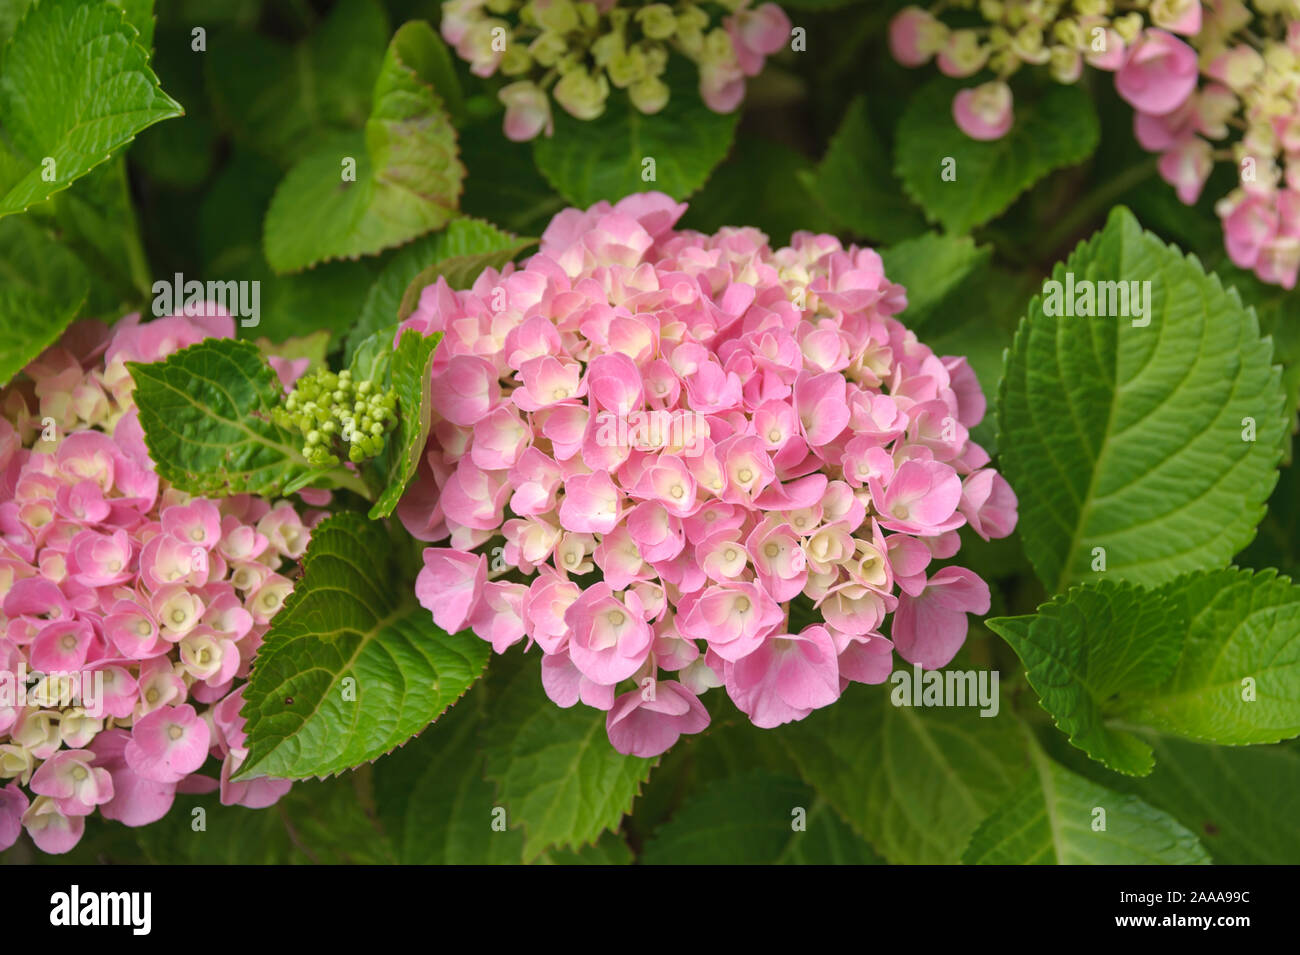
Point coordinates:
[[175, 732]]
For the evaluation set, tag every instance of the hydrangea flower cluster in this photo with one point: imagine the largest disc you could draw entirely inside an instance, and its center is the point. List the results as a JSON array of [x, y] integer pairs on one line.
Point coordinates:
[[336, 415], [678, 461], [1239, 66], [129, 612], [577, 51]]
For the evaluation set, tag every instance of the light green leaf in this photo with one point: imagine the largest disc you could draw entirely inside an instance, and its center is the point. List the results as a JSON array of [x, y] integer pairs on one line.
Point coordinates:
[[1090, 644], [915, 783], [403, 448], [556, 773], [1058, 129], [76, 86], [1125, 443], [855, 183], [605, 158], [1238, 680], [756, 818], [408, 175], [206, 414], [462, 237], [352, 665], [937, 271], [1052, 819]]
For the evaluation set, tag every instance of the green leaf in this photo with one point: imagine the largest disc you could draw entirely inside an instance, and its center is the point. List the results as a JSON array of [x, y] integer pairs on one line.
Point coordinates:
[[30, 321], [604, 158], [937, 271], [462, 237], [42, 286], [410, 378], [915, 783], [1125, 443], [434, 801], [1089, 645], [759, 185], [408, 175], [460, 271], [1052, 819], [315, 823], [857, 187], [75, 87], [97, 221], [504, 185], [1238, 680], [555, 770], [756, 818], [352, 665], [285, 101], [1240, 800], [206, 414], [1058, 129]]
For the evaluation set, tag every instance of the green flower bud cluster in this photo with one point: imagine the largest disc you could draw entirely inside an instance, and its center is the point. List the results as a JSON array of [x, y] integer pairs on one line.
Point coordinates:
[[338, 417]]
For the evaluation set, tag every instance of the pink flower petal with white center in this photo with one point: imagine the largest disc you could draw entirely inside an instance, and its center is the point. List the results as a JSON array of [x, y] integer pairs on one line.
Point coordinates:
[[984, 112], [822, 404], [1186, 166], [13, 803], [609, 639], [102, 560], [1159, 73], [168, 744], [989, 504], [867, 658], [922, 498], [120, 692], [499, 439], [565, 426], [732, 618], [658, 534], [451, 585], [909, 36], [591, 504], [474, 497], [52, 830], [929, 629], [647, 727], [136, 801], [548, 381], [670, 483], [61, 646], [800, 670], [614, 384], [466, 390], [498, 617], [197, 523], [549, 596]]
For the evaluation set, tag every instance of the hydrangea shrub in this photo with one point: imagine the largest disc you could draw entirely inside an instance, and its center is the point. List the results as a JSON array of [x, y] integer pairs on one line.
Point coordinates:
[[740, 444]]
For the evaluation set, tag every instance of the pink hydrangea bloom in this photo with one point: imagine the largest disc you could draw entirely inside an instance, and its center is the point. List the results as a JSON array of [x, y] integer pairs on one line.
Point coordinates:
[[652, 447], [137, 608]]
